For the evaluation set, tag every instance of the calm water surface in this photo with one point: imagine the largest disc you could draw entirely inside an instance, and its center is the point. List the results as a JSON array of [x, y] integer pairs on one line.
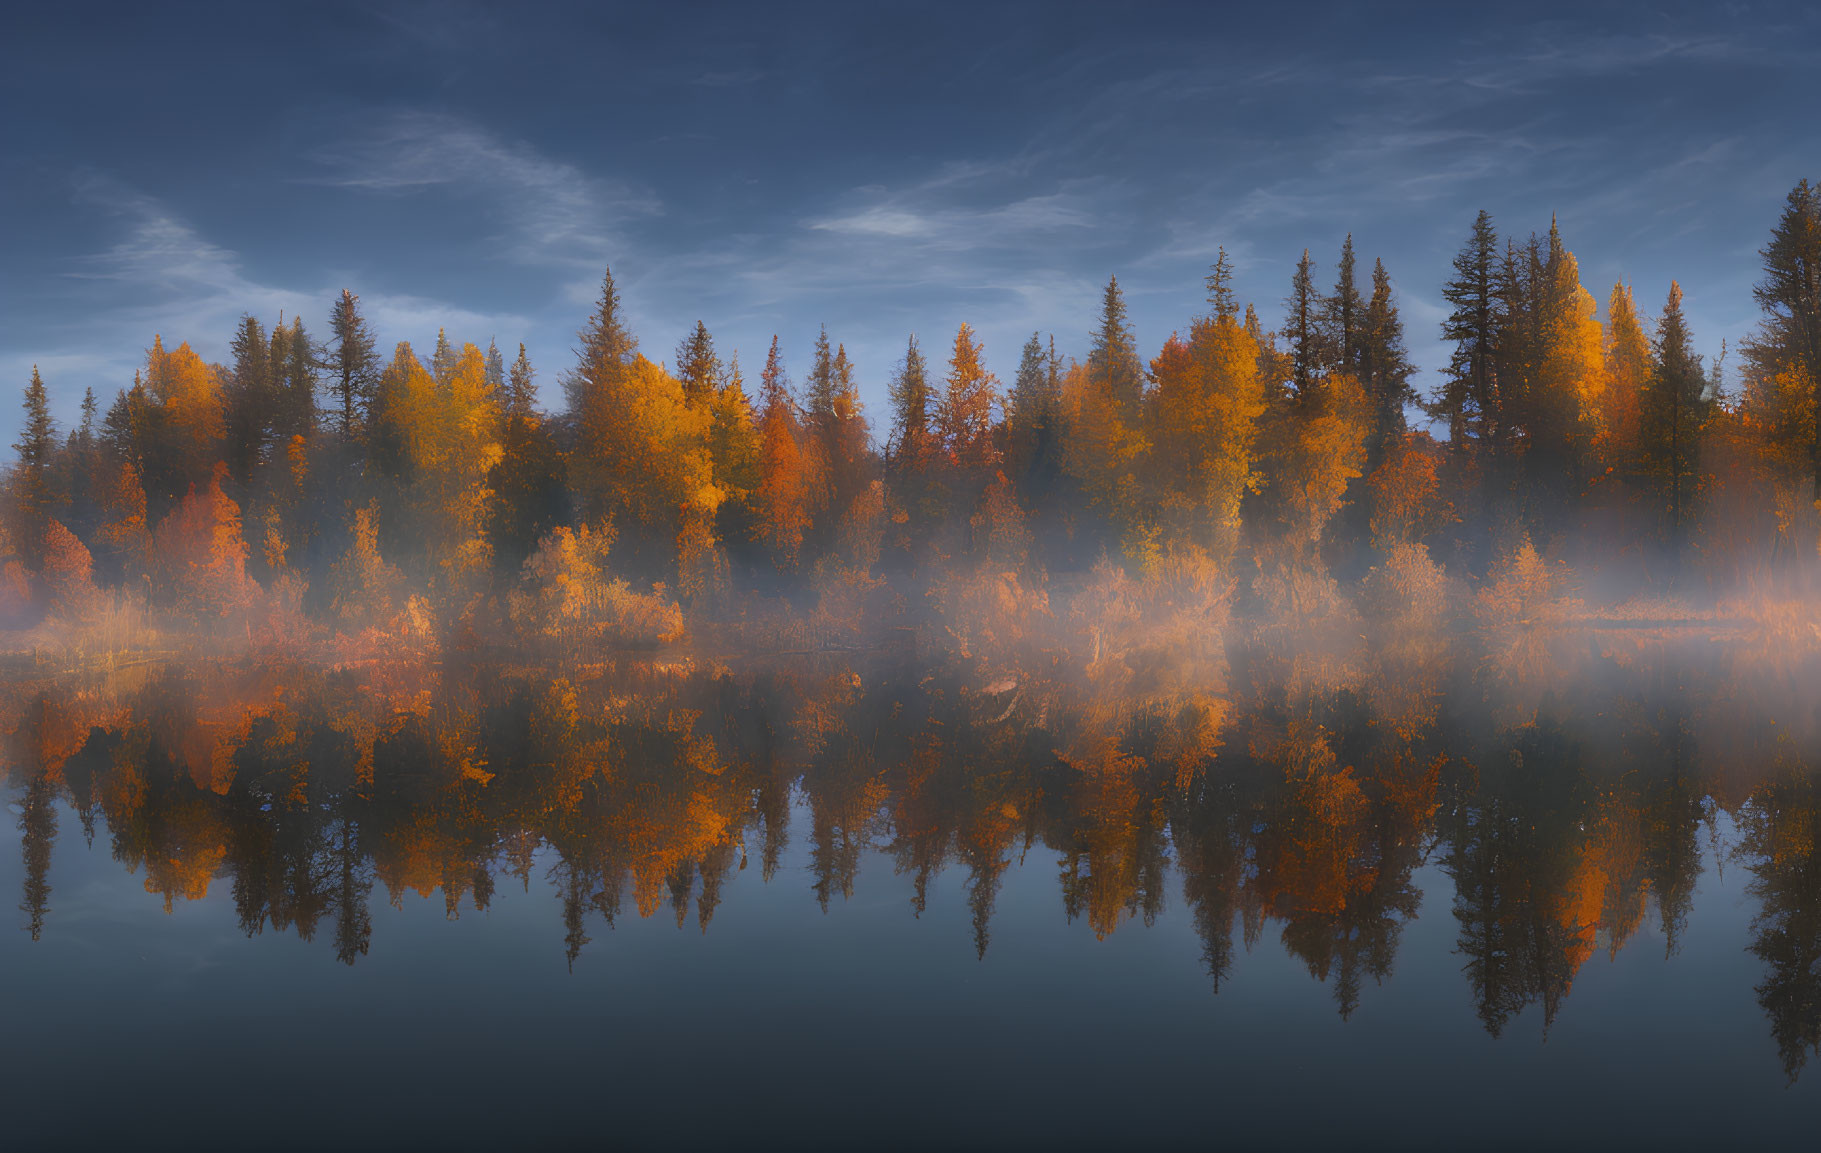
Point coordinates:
[[1579, 932]]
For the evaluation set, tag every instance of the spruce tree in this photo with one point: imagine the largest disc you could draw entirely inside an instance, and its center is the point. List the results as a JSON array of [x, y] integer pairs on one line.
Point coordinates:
[[607, 348], [1674, 416], [1113, 363], [910, 400], [496, 372], [442, 361], [1384, 364], [1344, 316], [251, 398], [295, 376], [521, 394], [1302, 327], [1030, 411], [353, 365], [1469, 400], [82, 466], [1220, 288], [33, 497], [1790, 295], [698, 368], [819, 390]]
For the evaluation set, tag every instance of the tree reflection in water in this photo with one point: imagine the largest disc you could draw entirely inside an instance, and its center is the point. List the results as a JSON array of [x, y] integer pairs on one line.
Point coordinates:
[[1303, 799]]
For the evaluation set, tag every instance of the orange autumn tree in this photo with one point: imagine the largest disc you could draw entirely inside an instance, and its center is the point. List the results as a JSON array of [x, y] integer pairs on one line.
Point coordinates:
[[780, 502], [964, 422], [199, 556]]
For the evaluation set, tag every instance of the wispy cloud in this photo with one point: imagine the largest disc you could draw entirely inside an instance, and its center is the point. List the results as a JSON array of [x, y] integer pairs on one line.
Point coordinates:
[[558, 214], [161, 276]]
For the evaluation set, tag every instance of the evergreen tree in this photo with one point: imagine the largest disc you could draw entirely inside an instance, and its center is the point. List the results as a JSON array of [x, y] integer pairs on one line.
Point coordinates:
[[33, 495], [1302, 327], [294, 360], [1627, 369], [1031, 414], [442, 361], [1469, 400], [81, 469], [1220, 288], [1113, 364], [819, 390], [1790, 295], [910, 400], [1674, 417], [1384, 366], [353, 364], [521, 394], [697, 365], [496, 371], [1343, 316], [251, 399], [733, 452], [607, 348], [1113, 361]]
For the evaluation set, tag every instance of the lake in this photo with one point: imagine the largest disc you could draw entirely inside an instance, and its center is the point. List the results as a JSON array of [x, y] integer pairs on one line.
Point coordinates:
[[840, 902]]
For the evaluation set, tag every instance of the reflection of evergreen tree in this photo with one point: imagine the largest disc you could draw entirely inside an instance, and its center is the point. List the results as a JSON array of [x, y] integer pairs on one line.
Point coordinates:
[[1512, 841], [38, 834], [1781, 827]]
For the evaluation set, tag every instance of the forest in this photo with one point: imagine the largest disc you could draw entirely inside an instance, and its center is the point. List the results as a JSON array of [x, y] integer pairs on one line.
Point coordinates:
[[323, 619], [317, 488]]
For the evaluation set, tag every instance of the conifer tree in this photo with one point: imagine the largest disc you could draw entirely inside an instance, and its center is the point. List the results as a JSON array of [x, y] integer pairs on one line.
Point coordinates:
[[1220, 288], [607, 348], [1302, 328], [1384, 366], [353, 364], [521, 393], [251, 401], [1674, 417], [1790, 295], [33, 496], [910, 400], [842, 440], [1469, 400], [819, 390], [965, 420], [82, 468], [294, 361], [1031, 414], [1113, 364], [496, 371], [697, 365], [781, 500], [442, 360], [733, 451], [1344, 316], [1627, 370]]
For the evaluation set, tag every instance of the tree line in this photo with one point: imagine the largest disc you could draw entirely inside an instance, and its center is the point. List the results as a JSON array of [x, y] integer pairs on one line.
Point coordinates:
[[324, 479]]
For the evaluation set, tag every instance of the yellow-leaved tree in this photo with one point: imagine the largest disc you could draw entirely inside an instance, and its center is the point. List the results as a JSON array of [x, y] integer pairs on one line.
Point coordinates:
[[1202, 423], [438, 439], [641, 454]]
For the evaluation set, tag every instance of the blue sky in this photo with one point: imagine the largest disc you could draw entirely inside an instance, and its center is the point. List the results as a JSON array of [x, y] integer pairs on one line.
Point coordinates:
[[881, 169]]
